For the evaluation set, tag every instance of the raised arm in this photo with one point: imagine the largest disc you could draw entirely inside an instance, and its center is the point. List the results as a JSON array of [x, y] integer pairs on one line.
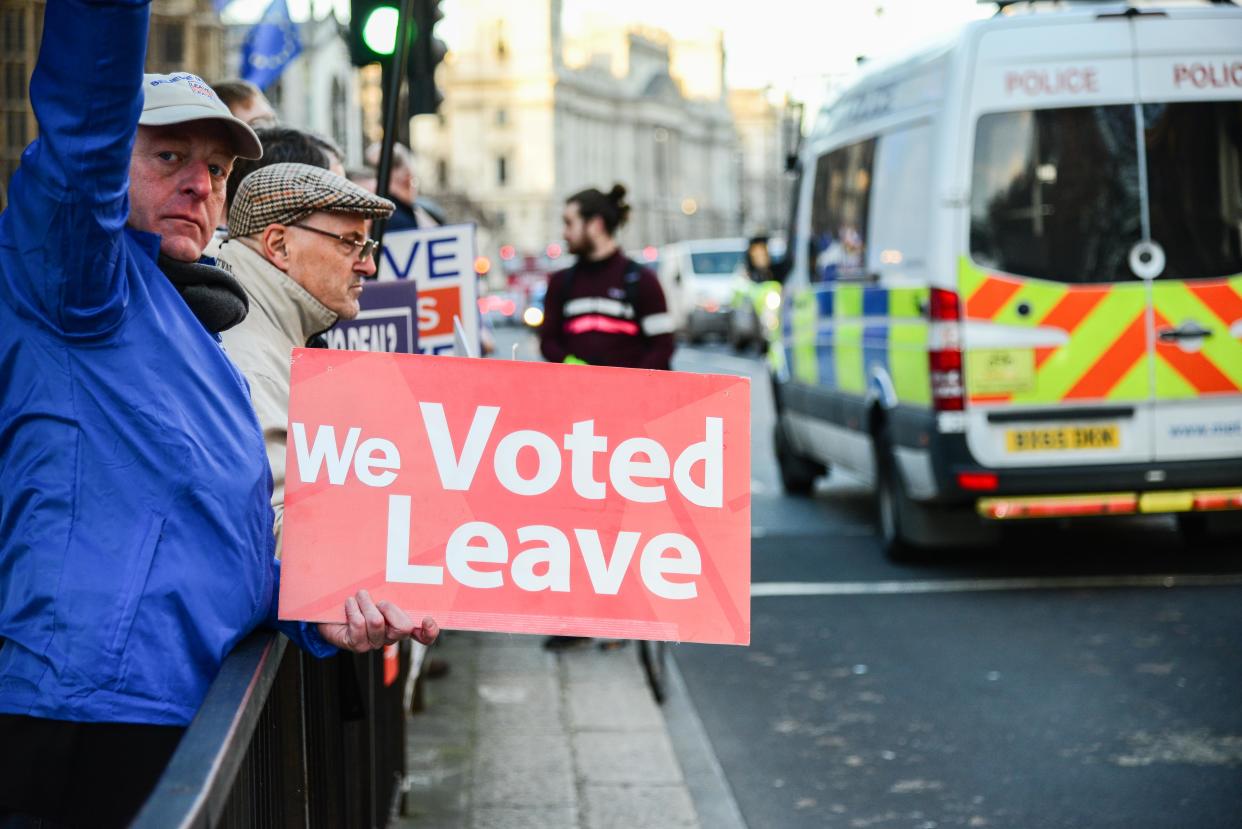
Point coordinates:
[[87, 95], [67, 201]]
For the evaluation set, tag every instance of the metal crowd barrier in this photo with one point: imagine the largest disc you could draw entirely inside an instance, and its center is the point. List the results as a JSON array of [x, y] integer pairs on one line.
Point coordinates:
[[284, 740]]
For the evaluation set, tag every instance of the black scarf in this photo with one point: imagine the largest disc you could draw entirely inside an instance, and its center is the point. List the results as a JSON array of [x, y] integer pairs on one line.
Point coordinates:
[[215, 297]]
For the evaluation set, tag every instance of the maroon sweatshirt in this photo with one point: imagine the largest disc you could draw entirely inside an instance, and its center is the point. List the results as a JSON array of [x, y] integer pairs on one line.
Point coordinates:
[[595, 322]]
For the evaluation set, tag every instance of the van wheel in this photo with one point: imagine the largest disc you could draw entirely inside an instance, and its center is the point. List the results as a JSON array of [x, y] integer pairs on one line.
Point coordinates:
[[798, 472], [908, 529], [892, 508]]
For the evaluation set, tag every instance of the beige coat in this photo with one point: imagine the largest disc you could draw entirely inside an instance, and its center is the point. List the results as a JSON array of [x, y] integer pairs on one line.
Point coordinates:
[[283, 316]]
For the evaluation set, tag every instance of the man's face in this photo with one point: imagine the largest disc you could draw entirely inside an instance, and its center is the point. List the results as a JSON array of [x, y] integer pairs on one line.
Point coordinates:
[[176, 184], [577, 237], [327, 268], [403, 183], [255, 111]]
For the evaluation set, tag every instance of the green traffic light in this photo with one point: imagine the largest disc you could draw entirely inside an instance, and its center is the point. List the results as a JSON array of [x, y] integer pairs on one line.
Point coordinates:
[[379, 32]]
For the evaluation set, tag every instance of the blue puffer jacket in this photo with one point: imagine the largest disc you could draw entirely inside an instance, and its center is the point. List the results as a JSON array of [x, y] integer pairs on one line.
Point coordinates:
[[135, 527]]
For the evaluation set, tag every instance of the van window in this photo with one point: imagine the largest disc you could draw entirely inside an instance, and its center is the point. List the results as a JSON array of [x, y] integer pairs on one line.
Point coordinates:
[[1055, 193], [1194, 178], [716, 262], [839, 204], [900, 201]]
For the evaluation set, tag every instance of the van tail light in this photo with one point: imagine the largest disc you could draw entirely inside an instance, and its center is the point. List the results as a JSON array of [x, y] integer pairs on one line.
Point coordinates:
[[978, 481], [944, 351]]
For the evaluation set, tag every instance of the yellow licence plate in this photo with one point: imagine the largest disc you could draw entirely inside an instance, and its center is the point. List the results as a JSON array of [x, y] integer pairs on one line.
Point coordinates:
[[1063, 438]]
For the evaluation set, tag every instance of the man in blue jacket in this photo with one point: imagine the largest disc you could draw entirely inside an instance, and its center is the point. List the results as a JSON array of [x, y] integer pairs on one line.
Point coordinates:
[[136, 543]]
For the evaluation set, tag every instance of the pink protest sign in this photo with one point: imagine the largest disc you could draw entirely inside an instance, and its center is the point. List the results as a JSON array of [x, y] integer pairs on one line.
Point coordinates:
[[520, 497]]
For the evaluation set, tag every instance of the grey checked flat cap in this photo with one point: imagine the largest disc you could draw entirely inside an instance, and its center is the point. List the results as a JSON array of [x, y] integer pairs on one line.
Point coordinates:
[[284, 193]]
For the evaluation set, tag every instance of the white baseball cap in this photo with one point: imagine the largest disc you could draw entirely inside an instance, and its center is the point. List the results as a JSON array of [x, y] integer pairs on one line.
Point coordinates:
[[176, 99]]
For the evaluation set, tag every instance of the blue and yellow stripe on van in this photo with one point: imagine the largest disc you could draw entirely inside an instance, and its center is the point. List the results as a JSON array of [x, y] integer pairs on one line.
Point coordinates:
[[842, 336]]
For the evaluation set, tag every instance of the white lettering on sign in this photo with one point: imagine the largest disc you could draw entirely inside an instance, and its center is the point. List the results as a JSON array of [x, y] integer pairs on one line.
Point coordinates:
[[376, 453], [477, 552], [373, 337], [428, 314], [1208, 75], [372, 454], [623, 469], [1071, 81], [457, 471], [711, 452], [460, 554], [398, 567], [583, 444], [656, 568], [546, 474], [553, 556], [606, 573]]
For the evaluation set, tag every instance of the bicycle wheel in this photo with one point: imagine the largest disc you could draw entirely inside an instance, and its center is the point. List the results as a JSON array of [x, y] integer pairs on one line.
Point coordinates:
[[652, 654]]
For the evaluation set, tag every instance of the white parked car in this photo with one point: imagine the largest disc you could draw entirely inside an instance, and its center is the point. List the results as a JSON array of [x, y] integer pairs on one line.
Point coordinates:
[[697, 277]]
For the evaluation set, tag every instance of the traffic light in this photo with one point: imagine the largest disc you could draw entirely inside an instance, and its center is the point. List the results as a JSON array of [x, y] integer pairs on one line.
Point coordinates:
[[373, 39], [372, 31], [426, 52]]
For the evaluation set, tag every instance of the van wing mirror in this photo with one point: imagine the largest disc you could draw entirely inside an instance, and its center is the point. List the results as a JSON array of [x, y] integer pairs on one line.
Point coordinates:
[[791, 134]]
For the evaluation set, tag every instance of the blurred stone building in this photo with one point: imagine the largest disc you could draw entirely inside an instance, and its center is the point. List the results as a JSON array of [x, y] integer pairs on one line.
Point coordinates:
[[766, 126], [185, 35], [533, 114]]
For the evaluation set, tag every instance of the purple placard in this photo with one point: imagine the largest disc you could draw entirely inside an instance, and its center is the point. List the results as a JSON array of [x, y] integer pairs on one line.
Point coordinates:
[[388, 320]]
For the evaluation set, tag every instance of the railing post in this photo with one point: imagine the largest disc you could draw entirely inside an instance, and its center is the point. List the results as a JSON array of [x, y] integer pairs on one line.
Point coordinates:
[[286, 740]]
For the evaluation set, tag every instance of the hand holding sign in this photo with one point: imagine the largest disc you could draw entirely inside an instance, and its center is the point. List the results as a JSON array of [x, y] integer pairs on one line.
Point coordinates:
[[369, 626], [519, 497]]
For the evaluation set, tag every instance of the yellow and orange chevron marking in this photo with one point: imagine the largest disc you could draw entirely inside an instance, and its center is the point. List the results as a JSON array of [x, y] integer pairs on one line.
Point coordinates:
[[1128, 348], [1108, 334]]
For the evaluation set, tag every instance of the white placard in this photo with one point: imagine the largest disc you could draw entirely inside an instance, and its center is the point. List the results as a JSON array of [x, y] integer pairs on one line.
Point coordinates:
[[440, 260]]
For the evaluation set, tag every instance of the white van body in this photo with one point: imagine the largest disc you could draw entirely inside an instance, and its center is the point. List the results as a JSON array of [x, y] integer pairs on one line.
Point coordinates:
[[1016, 272], [697, 279]]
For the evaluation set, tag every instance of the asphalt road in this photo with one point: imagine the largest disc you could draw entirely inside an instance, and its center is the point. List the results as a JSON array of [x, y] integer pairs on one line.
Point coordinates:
[[1073, 676], [1056, 680]]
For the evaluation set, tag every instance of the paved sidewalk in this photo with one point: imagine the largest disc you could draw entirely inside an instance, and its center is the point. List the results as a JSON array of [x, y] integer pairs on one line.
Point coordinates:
[[516, 737]]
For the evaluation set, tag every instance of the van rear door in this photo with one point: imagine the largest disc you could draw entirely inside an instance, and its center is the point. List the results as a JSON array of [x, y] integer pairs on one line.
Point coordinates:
[[1190, 90], [1057, 334]]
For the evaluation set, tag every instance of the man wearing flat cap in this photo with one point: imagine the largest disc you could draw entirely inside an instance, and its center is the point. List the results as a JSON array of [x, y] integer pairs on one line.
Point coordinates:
[[135, 526], [298, 245]]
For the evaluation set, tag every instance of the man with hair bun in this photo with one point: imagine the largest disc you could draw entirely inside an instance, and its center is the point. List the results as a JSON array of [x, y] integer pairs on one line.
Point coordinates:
[[605, 309]]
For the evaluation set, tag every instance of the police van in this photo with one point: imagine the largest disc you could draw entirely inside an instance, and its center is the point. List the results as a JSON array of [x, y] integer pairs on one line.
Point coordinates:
[[1015, 284]]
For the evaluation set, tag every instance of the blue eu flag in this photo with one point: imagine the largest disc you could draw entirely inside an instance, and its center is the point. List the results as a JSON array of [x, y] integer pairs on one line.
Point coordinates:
[[270, 46]]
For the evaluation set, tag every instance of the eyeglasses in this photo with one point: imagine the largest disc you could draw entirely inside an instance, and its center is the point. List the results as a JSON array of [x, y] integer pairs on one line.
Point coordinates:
[[367, 246]]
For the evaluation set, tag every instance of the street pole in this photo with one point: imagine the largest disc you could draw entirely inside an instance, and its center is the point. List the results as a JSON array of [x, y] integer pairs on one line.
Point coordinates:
[[392, 107]]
